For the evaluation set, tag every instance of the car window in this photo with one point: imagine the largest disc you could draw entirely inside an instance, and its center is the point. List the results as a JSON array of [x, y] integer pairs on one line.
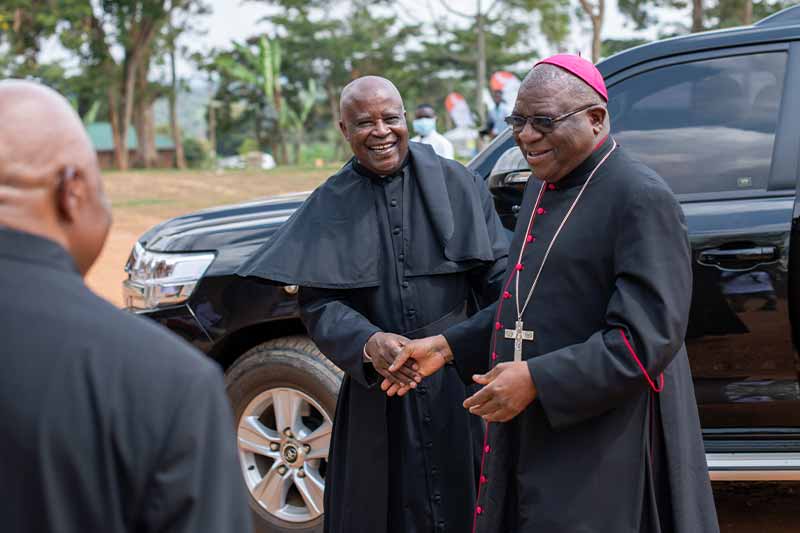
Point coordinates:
[[705, 126]]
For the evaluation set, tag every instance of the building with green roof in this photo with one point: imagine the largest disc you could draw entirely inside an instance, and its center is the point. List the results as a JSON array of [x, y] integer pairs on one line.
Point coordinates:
[[102, 139]]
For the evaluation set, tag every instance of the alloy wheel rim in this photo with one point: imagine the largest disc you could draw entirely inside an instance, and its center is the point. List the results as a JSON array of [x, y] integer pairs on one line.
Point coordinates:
[[284, 438]]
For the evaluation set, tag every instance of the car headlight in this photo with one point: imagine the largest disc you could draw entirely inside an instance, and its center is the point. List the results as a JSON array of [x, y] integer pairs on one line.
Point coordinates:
[[160, 279]]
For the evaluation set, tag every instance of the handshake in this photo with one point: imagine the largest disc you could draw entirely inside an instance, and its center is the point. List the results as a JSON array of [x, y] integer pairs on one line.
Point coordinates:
[[507, 389], [404, 362]]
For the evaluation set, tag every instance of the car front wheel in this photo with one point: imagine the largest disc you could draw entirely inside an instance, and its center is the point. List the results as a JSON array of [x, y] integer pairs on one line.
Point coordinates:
[[283, 394]]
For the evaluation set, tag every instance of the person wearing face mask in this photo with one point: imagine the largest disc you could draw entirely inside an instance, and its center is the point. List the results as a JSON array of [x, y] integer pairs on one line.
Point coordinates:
[[425, 128]]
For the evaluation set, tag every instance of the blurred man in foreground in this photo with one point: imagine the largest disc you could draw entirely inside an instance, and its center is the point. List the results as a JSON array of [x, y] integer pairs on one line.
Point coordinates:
[[107, 422]]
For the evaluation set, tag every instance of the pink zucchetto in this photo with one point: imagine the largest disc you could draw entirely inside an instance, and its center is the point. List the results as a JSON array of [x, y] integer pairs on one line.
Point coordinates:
[[581, 68]]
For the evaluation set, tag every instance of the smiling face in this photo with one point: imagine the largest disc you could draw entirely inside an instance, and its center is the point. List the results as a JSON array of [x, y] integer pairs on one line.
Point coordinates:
[[373, 122], [553, 155]]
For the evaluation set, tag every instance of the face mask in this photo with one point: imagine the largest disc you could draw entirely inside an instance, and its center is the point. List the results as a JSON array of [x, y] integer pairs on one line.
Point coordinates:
[[423, 126]]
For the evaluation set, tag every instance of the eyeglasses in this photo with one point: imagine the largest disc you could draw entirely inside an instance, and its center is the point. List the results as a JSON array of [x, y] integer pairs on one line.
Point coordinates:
[[541, 123]]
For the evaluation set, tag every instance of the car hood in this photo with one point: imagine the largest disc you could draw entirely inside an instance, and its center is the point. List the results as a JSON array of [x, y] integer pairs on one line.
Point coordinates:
[[239, 226]]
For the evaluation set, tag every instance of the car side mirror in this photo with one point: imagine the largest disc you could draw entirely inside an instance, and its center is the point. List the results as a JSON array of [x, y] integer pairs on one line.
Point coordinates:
[[510, 172]]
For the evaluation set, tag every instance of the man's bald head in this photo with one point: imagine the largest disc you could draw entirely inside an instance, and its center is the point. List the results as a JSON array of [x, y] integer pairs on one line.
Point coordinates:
[[39, 134], [373, 122], [49, 179], [367, 88]]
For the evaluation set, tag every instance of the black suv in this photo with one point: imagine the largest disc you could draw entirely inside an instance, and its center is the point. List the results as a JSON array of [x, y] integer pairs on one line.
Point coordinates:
[[714, 113]]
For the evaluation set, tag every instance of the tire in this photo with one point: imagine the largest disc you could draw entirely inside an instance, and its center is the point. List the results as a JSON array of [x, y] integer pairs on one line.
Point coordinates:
[[284, 382]]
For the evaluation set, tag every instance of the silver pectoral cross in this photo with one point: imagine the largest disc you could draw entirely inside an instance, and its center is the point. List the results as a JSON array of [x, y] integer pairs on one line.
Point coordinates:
[[519, 335]]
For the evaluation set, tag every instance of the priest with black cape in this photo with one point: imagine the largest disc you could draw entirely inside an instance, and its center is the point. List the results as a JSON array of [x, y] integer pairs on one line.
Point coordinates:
[[593, 425], [399, 244]]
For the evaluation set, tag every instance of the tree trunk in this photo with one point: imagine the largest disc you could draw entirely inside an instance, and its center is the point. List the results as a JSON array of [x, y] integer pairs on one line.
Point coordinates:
[[333, 101], [177, 138], [480, 67], [597, 43], [747, 19], [128, 95], [144, 121], [116, 132], [149, 125], [144, 118], [139, 119], [697, 16], [297, 147], [137, 54], [596, 15], [283, 155], [597, 30], [212, 129]]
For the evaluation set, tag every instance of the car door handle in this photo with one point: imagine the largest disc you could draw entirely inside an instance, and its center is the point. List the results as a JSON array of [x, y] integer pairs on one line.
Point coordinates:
[[738, 258]]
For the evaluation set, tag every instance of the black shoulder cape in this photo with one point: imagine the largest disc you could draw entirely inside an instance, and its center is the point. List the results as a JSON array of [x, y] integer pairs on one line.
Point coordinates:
[[331, 241]]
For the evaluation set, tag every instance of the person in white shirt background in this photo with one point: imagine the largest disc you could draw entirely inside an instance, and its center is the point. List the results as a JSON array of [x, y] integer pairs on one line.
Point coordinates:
[[496, 116], [425, 128]]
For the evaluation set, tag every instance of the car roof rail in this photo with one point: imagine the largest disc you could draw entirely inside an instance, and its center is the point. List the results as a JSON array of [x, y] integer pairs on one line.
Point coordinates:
[[785, 17]]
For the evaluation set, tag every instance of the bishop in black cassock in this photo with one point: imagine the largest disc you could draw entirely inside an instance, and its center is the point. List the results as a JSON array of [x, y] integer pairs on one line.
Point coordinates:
[[406, 250], [593, 426]]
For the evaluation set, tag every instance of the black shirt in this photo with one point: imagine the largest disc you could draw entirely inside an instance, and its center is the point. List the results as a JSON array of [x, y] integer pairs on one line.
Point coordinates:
[[107, 421]]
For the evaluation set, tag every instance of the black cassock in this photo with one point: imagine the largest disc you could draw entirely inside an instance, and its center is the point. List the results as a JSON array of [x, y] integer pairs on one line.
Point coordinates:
[[108, 422], [599, 450], [404, 254]]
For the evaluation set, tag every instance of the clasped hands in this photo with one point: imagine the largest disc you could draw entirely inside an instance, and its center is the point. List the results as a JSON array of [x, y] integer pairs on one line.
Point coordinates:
[[507, 388]]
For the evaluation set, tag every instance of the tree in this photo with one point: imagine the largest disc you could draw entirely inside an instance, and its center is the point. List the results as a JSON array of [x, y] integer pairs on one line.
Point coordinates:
[[259, 73], [705, 14], [697, 16], [729, 13], [133, 24], [92, 29], [174, 126], [596, 12], [642, 12], [24, 27], [494, 29], [25, 24], [612, 46], [350, 39]]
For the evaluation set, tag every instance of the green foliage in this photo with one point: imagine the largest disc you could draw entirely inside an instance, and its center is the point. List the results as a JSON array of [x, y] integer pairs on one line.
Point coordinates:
[[91, 115], [253, 72], [642, 12], [196, 152], [334, 42], [325, 45], [314, 151], [729, 13], [248, 145], [717, 14], [612, 46]]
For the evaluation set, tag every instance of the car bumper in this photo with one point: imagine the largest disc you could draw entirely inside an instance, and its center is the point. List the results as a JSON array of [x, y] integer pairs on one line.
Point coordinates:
[[180, 320]]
